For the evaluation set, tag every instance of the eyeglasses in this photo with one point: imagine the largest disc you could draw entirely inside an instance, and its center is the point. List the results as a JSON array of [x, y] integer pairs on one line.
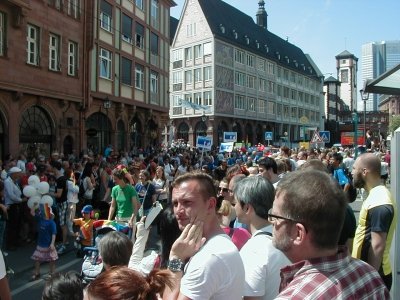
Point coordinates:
[[224, 190], [273, 218]]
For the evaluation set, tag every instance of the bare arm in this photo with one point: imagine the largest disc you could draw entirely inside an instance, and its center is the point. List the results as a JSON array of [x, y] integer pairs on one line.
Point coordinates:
[[375, 254], [4, 289], [112, 209]]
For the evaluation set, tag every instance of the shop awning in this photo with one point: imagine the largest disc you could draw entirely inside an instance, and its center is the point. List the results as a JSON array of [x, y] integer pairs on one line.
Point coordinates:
[[386, 84]]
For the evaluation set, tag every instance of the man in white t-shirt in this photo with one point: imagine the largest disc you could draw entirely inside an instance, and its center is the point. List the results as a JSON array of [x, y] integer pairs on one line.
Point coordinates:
[[204, 262], [262, 261]]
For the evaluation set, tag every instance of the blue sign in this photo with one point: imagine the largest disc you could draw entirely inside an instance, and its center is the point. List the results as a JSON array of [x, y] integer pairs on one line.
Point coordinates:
[[226, 147], [230, 137], [204, 142], [268, 136], [325, 136]]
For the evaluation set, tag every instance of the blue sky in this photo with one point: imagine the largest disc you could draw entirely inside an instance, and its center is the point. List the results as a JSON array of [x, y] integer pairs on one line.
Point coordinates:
[[325, 28]]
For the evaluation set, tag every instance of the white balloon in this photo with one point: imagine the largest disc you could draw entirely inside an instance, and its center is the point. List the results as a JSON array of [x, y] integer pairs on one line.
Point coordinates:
[[43, 187], [33, 180], [30, 191], [33, 201], [46, 199]]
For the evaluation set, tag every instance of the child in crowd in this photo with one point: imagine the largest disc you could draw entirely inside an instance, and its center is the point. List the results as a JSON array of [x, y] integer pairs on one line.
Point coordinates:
[[45, 250], [85, 234]]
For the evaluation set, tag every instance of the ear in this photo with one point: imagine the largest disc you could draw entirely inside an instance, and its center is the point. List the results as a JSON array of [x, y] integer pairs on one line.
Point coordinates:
[[301, 234], [212, 203]]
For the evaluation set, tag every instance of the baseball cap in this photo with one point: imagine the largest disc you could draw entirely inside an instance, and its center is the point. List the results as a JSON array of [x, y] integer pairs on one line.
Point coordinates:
[[14, 170], [87, 209]]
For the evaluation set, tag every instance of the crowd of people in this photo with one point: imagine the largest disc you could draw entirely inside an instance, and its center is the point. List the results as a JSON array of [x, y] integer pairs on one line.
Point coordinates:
[[257, 223]]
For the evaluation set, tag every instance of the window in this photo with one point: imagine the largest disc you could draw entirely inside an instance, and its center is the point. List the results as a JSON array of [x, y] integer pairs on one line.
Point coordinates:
[[261, 106], [239, 56], [32, 45], [177, 77], [139, 77], [177, 55], [154, 43], [73, 8], [188, 77], [251, 82], [191, 30], [55, 3], [188, 54], [198, 53], [261, 85], [207, 73], [208, 98], [197, 75], [293, 112], [286, 92], [271, 107], [271, 87], [251, 102], [105, 63], [344, 75], [154, 11], [72, 58], [261, 65], [240, 79], [126, 28], [105, 15], [126, 71], [188, 98], [197, 98], [250, 60], [239, 102], [139, 4], [139, 35], [207, 49], [2, 33], [279, 110], [54, 52], [154, 82]]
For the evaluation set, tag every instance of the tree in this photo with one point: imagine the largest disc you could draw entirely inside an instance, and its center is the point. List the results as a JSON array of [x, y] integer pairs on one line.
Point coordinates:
[[394, 123]]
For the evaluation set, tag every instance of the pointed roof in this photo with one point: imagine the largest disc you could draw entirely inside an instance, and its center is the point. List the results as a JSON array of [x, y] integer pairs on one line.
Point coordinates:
[[331, 79], [261, 41], [173, 26], [345, 54]]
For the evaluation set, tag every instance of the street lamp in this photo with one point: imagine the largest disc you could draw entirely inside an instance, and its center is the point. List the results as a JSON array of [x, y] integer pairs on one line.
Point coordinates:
[[355, 120], [107, 105], [364, 97]]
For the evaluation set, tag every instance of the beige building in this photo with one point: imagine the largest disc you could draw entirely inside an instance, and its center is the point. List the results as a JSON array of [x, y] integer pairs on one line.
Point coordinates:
[[230, 74]]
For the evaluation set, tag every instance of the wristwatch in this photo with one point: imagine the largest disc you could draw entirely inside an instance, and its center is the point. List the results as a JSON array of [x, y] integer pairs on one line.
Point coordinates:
[[176, 265]]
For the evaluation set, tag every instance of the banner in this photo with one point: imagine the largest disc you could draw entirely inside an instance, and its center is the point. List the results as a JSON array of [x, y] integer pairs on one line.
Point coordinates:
[[204, 142], [226, 147]]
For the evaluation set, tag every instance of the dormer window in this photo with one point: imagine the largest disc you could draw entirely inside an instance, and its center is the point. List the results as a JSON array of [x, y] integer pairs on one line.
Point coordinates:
[[235, 34], [247, 39], [266, 48], [257, 44], [278, 55], [295, 63], [287, 59], [222, 28]]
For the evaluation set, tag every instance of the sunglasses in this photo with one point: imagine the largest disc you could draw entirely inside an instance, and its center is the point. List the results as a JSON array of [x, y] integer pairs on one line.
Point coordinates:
[[224, 190]]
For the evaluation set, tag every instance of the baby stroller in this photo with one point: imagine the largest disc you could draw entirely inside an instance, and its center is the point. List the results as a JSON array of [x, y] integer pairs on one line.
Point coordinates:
[[92, 264]]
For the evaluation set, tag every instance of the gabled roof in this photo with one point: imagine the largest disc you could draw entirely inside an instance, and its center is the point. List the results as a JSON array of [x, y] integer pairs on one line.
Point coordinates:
[[261, 41], [388, 83]]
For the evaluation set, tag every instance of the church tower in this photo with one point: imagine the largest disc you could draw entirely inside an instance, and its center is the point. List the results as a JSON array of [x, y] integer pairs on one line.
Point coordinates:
[[346, 66], [262, 15]]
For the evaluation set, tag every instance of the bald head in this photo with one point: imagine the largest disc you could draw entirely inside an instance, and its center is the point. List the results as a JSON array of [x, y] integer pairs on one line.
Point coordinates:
[[370, 162]]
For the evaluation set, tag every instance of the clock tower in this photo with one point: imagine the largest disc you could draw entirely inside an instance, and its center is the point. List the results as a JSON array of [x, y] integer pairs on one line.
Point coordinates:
[[346, 66]]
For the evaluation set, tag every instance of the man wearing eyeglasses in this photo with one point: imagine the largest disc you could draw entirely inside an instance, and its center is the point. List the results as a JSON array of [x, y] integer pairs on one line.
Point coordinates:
[[307, 215], [261, 260]]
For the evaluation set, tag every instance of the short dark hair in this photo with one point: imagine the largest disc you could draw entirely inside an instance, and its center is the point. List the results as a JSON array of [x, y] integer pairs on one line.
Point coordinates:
[[64, 286], [205, 182], [256, 191], [268, 163], [56, 164], [337, 156], [115, 249], [315, 199]]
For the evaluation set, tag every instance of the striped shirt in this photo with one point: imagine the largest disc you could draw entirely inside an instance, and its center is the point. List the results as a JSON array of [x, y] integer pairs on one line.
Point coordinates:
[[334, 277]]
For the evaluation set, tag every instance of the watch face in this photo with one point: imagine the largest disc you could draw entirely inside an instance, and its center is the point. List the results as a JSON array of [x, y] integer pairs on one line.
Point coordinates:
[[176, 265]]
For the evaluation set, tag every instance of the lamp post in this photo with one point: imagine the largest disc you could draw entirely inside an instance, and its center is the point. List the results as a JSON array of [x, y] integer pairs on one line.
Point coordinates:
[[355, 120], [364, 97], [107, 105], [204, 119]]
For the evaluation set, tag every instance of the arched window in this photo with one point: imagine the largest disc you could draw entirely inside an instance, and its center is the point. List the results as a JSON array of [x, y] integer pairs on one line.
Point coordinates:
[[183, 132]]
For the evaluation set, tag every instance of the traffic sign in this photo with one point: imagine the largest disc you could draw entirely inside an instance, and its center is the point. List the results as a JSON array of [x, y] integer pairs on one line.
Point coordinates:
[[230, 136], [316, 138], [325, 136], [268, 135]]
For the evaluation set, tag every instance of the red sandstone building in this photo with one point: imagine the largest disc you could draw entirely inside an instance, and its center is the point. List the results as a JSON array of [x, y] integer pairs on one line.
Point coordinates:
[[80, 74]]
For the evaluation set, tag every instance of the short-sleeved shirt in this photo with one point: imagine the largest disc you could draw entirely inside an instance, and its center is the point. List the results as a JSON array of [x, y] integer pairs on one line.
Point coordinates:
[[123, 197], [61, 183], [46, 228], [85, 230]]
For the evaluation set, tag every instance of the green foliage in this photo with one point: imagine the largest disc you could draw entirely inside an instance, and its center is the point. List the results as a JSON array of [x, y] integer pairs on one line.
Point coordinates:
[[394, 123]]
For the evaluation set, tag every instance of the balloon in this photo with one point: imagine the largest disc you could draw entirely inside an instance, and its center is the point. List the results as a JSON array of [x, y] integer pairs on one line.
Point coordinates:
[[43, 187], [47, 199], [30, 191], [33, 201], [33, 180]]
